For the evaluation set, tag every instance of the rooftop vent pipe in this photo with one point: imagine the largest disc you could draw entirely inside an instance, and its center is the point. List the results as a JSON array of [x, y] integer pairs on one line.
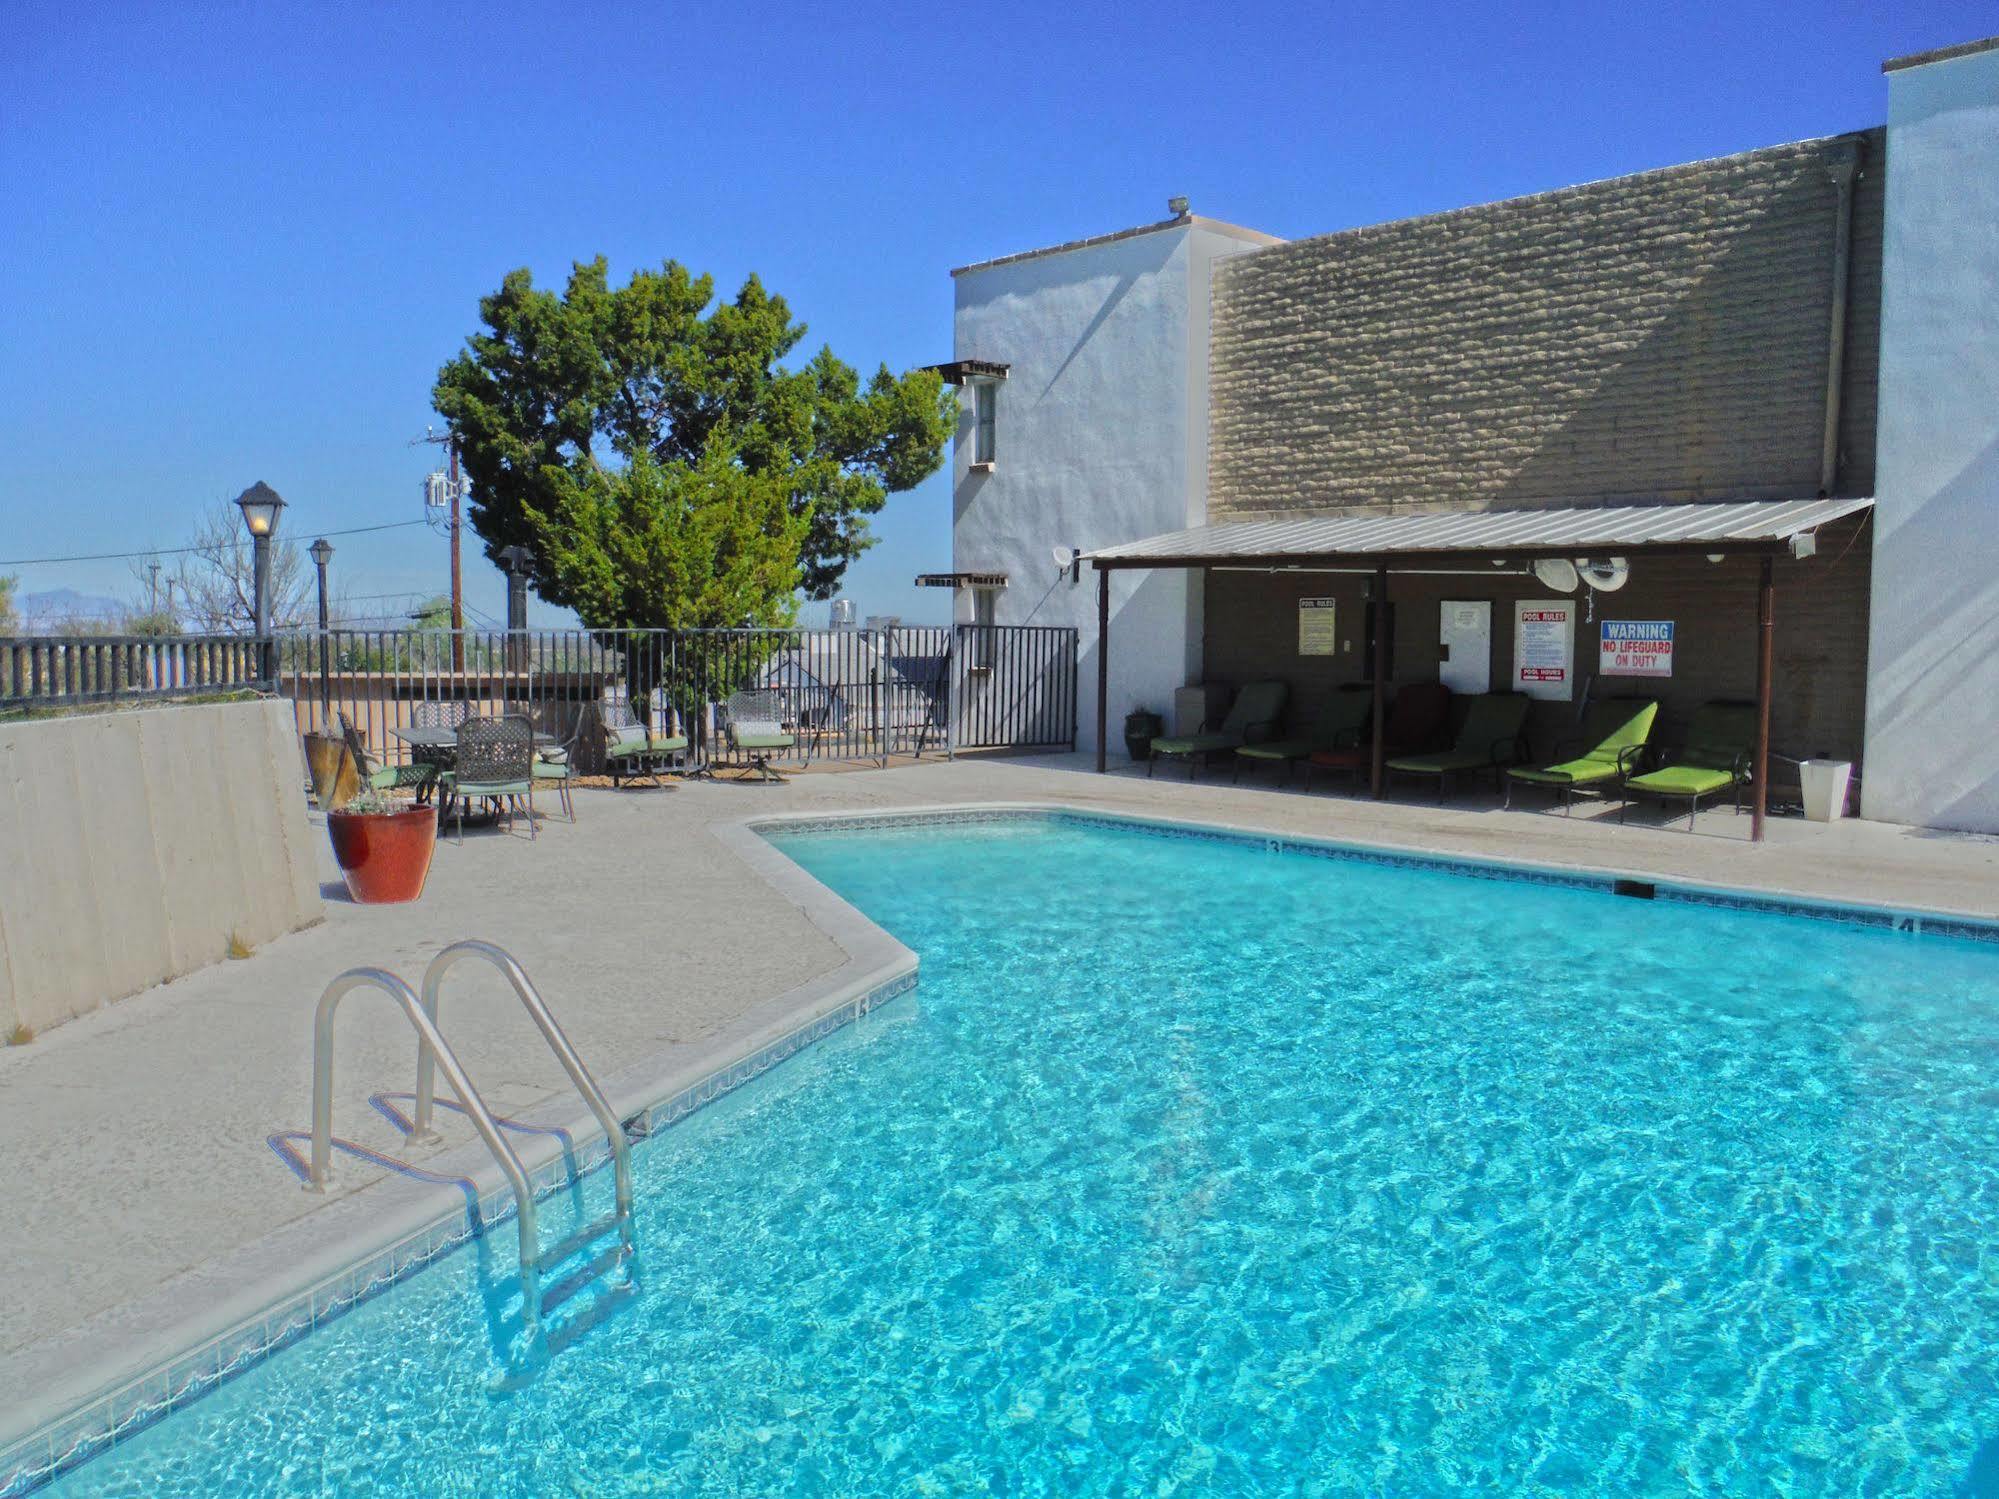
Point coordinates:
[[1842, 167]]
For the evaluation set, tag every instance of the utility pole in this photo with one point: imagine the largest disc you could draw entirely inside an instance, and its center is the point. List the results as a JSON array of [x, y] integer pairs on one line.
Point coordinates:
[[454, 486]]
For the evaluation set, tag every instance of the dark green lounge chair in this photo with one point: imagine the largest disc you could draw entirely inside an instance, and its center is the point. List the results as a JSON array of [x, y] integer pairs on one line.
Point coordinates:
[[1715, 758], [1490, 738], [1338, 722], [1612, 741], [1254, 717]]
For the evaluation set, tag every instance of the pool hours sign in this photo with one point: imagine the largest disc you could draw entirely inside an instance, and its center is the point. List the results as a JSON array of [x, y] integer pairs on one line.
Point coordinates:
[[1637, 648]]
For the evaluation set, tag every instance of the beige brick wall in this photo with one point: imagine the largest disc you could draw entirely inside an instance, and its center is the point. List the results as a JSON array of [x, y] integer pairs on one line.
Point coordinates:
[[1660, 336], [1820, 645]]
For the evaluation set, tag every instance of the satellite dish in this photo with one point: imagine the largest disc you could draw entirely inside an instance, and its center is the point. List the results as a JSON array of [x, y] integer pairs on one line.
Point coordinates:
[[1554, 573], [1605, 574]]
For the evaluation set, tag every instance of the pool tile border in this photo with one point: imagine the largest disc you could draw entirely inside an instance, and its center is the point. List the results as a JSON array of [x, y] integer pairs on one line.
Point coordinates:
[[1912, 923], [45, 1455]]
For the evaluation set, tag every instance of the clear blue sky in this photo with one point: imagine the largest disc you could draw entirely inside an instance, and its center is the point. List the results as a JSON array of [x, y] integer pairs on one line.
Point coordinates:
[[238, 241]]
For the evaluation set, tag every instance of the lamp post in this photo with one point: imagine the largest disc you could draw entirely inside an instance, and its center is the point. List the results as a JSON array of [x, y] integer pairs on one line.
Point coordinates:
[[260, 505], [518, 559], [322, 553]]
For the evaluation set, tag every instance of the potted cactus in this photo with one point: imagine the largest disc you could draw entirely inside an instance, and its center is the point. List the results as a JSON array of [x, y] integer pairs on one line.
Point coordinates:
[[383, 847]]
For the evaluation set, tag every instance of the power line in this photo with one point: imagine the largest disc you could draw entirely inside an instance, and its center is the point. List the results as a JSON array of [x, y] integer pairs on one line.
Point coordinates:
[[393, 525]]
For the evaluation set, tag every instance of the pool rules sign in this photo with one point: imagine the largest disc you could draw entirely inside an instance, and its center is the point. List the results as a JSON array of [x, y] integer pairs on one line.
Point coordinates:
[[1637, 648], [1544, 648]]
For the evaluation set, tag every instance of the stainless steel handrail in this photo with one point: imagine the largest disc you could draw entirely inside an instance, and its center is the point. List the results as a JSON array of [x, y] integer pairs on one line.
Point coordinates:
[[434, 1047], [579, 1075]]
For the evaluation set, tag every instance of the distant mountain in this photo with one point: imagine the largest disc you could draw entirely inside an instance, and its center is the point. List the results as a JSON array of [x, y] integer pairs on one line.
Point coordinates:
[[55, 605]]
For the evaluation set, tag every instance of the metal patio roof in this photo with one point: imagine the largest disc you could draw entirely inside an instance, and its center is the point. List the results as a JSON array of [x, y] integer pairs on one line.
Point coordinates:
[[1727, 526]]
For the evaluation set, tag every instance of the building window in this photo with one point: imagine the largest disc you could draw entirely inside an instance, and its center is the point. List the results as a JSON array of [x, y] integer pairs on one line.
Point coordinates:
[[985, 610], [985, 413]]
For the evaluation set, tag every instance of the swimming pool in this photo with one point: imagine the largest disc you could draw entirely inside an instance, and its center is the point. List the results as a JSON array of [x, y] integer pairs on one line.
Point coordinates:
[[1198, 1167]]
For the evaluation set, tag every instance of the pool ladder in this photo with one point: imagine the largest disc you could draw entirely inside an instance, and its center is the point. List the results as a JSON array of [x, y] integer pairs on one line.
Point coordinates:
[[434, 1052]]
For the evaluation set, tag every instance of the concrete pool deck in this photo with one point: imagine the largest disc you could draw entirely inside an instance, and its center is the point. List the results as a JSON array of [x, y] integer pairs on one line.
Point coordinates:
[[136, 1151]]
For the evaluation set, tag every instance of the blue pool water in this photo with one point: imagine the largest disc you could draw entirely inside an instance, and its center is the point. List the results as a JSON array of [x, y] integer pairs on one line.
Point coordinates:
[[1194, 1168]]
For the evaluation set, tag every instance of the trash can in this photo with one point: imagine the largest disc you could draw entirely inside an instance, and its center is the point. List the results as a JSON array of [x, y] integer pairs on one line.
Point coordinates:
[[1824, 783], [1140, 729]]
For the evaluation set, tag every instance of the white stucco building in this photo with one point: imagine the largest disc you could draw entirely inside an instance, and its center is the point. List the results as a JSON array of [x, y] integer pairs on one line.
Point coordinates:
[[1814, 320], [1933, 651], [1090, 362]]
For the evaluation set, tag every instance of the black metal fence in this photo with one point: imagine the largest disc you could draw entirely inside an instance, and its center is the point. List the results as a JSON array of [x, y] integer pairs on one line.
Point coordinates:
[[843, 694], [1016, 687], [65, 671], [847, 694]]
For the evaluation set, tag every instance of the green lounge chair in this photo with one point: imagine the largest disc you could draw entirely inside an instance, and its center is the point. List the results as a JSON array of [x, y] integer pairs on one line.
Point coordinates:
[[1338, 722], [1490, 738], [1254, 717], [1614, 730], [1715, 758]]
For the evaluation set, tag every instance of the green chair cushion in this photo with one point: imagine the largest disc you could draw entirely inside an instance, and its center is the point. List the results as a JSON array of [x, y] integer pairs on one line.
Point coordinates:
[[763, 741], [494, 788], [1196, 744], [1281, 749], [544, 771], [1683, 780], [669, 744], [627, 745], [1444, 763], [1584, 772]]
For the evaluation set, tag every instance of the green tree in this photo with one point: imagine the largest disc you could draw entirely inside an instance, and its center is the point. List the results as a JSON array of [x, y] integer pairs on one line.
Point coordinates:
[[9, 623], [592, 422]]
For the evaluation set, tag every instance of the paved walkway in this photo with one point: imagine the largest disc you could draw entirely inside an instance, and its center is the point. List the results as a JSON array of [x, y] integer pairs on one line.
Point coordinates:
[[135, 1137]]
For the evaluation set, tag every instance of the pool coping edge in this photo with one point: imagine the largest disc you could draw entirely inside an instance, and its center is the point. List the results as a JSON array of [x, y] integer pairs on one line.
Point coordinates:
[[132, 1365]]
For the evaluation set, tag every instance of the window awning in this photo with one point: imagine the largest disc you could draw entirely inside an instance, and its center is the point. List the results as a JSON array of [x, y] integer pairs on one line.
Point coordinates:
[[961, 580], [964, 371], [1751, 526]]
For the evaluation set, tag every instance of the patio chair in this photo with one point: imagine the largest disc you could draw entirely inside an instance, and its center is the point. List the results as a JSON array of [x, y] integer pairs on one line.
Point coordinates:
[[495, 760], [1492, 736], [439, 715], [1714, 758], [416, 776], [1611, 745], [1254, 717], [753, 725], [1338, 722], [1415, 724], [634, 750]]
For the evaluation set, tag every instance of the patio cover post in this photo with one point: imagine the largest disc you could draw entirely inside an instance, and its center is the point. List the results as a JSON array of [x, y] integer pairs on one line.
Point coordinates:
[[1766, 629], [1380, 670], [1103, 662]]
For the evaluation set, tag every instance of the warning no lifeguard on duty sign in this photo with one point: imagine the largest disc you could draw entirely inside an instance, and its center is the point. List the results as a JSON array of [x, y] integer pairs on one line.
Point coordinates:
[[1637, 648]]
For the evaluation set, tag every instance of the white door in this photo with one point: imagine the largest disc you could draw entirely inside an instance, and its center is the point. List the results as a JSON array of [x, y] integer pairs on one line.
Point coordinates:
[[1464, 645]]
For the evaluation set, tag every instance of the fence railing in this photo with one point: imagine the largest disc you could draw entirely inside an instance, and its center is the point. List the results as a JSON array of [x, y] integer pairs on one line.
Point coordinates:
[[59, 671], [847, 694], [844, 694], [1016, 687]]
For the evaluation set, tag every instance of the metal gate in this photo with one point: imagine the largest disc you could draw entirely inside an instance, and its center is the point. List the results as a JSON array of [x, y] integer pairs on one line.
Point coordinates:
[[1016, 687]]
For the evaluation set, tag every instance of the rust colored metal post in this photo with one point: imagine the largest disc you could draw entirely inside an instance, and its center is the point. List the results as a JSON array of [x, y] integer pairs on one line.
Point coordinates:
[[1377, 755], [1766, 630], [1103, 663]]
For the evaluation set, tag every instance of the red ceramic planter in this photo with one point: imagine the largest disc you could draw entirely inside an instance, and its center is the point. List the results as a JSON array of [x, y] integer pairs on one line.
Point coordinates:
[[384, 857]]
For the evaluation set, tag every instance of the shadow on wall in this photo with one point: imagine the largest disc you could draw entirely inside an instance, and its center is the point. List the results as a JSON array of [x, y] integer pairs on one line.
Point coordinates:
[[1715, 383], [1937, 635]]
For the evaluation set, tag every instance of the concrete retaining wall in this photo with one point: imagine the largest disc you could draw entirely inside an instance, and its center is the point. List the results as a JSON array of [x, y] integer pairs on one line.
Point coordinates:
[[133, 846]]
